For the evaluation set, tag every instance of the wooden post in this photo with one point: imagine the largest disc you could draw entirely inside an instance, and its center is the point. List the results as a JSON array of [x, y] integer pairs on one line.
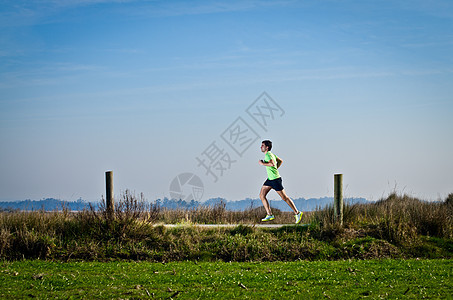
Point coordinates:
[[338, 198], [110, 205]]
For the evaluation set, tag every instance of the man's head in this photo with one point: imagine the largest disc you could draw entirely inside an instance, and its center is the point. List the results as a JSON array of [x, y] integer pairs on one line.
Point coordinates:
[[266, 145]]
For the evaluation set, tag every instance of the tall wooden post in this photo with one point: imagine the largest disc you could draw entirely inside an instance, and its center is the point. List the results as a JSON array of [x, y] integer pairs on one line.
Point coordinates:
[[338, 198], [110, 205]]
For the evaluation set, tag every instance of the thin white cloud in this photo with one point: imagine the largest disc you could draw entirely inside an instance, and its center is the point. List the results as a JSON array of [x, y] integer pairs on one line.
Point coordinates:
[[40, 74], [170, 8], [28, 13], [437, 9], [447, 41]]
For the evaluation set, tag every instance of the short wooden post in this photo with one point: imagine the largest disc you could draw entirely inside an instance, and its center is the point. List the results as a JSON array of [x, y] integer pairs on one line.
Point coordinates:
[[338, 198], [110, 205]]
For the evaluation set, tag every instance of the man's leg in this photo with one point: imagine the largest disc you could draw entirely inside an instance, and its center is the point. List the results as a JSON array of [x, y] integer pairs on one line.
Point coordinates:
[[263, 193], [288, 200]]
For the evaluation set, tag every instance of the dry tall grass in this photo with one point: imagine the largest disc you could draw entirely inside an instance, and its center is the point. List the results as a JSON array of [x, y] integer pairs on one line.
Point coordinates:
[[397, 218], [397, 221]]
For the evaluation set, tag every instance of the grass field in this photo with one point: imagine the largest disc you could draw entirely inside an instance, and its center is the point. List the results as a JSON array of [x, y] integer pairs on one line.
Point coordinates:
[[350, 279], [381, 251]]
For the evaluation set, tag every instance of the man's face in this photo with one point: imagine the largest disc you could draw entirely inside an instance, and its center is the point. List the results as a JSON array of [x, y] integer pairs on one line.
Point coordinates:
[[263, 147]]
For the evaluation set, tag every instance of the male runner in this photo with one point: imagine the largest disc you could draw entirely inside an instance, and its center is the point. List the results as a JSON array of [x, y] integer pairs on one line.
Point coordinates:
[[274, 181]]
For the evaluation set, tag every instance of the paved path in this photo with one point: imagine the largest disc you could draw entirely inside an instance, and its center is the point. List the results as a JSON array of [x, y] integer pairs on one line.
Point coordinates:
[[233, 225]]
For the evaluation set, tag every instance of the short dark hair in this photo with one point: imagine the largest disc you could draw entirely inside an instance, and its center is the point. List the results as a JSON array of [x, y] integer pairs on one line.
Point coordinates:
[[268, 144]]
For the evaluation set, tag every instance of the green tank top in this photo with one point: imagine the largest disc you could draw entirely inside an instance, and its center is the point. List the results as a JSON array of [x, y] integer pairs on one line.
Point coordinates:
[[272, 172]]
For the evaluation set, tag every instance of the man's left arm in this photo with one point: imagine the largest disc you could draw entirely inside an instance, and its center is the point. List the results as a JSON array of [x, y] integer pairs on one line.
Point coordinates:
[[279, 161]]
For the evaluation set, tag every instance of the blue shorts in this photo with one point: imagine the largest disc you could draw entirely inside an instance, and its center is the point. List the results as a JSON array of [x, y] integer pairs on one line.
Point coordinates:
[[276, 184]]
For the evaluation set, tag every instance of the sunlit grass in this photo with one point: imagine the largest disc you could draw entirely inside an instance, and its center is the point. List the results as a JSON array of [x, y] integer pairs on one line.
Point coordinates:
[[412, 279]]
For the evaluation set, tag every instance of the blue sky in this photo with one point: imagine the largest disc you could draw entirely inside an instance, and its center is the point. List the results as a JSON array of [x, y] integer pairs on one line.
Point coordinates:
[[144, 87]]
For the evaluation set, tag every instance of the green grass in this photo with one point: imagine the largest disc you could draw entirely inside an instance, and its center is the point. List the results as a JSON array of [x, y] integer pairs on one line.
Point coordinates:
[[350, 279]]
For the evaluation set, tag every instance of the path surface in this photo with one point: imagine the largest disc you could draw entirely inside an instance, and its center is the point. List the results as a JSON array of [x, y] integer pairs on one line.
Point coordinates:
[[234, 225]]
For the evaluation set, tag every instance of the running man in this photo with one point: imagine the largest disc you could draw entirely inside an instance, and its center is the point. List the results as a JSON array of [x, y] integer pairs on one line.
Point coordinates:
[[274, 181]]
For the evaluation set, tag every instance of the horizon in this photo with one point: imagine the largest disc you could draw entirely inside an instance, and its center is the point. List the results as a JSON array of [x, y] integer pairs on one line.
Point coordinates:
[[52, 204], [174, 199], [176, 97]]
